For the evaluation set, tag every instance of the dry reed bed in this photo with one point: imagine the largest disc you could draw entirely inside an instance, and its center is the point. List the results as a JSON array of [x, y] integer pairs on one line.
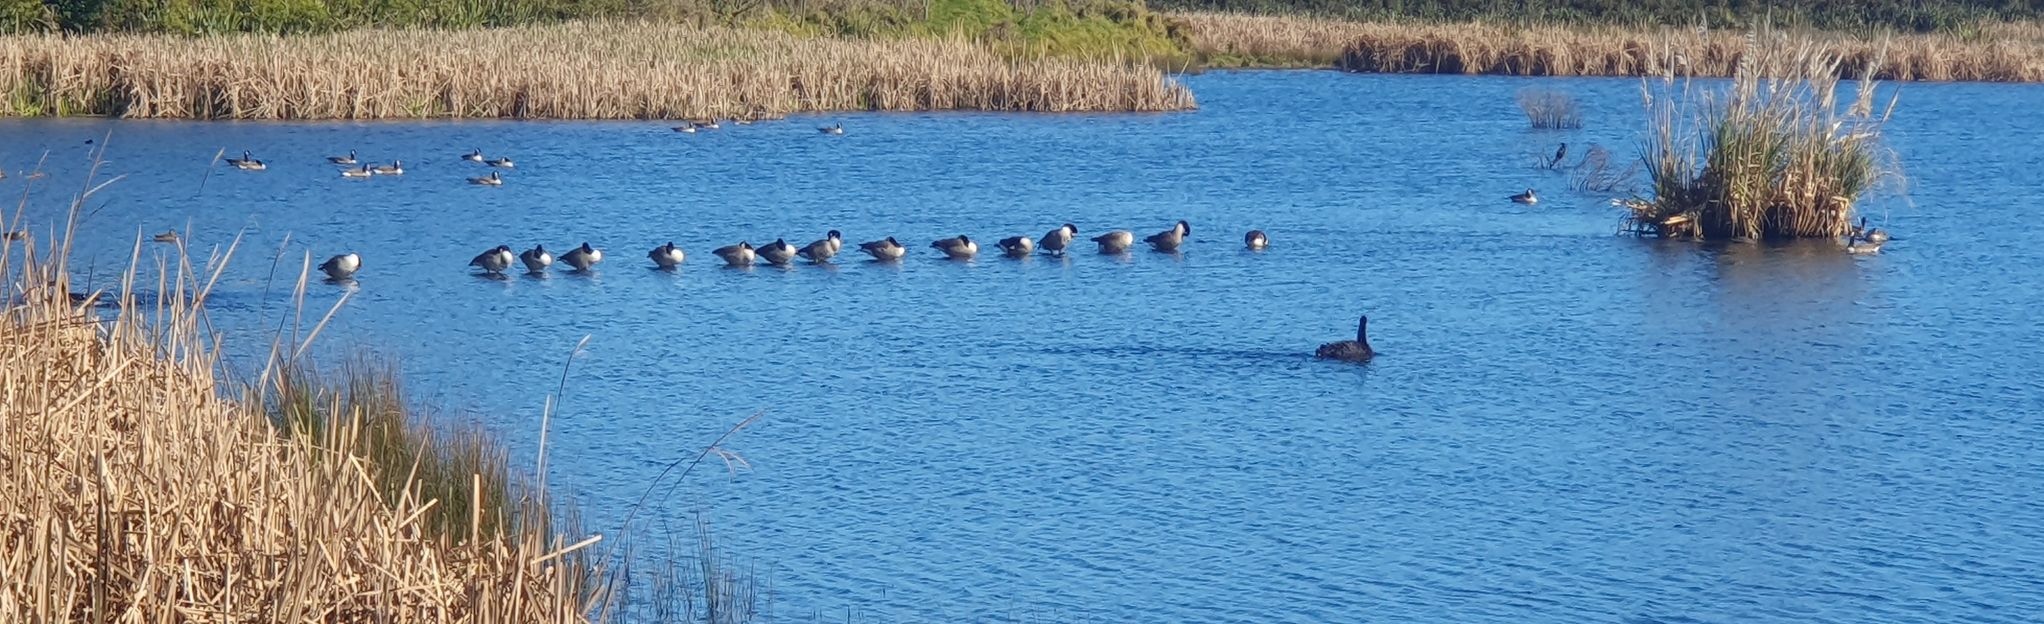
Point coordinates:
[[568, 71], [131, 491], [2005, 53]]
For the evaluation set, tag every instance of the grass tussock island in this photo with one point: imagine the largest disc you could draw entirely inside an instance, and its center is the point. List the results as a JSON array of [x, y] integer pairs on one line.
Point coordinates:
[[2002, 52], [137, 485], [583, 70]]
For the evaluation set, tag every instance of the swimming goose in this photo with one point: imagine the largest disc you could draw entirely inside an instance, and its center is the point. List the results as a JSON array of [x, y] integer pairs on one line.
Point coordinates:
[[832, 129], [778, 252], [582, 258], [1255, 240], [489, 180], [1357, 350], [885, 249], [1527, 197], [1559, 153], [168, 236], [473, 156], [362, 172], [1875, 236], [823, 249], [396, 167], [686, 128], [667, 256], [1862, 247], [737, 255], [960, 248], [247, 162], [343, 160], [501, 163], [1017, 246], [536, 259], [494, 260], [1169, 240], [1055, 241], [707, 124], [342, 266], [1115, 242]]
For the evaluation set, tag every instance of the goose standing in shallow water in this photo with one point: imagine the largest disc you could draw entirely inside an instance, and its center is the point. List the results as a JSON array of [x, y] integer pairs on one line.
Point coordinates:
[[667, 256], [582, 258], [778, 253], [341, 267], [1016, 246], [824, 248], [739, 255], [1169, 240], [885, 250], [1527, 197], [536, 259], [396, 167], [1255, 240], [1115, 242], [361, 172], [959, 248], [489, 180], [473, 156], [500, 163], [1357, 350], [1056, 241], [493, 261], [343, 160]]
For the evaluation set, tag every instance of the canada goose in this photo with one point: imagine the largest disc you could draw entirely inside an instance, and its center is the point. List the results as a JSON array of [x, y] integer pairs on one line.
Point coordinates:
[[1527, 197], [778, 252], [1055, 241], [832, 129], [473, 156], [1017, 246], [1862, 247], [824, 248], [1255, 240], [686, 128], [168, 236], [741, 121], [15, 235], [1115, 242], [666, 256], [1856, 231], [396, 167], [361, 172], [960, 248], [582, 258], [885, 249], [1169, 240], [501, 163], [493, 260], [536, 259], [247, 162], [1559, 153], [343, 160], [1876, 236], [1357, 350], [342, 266], [489, 180], [737, 255], [707, 124]]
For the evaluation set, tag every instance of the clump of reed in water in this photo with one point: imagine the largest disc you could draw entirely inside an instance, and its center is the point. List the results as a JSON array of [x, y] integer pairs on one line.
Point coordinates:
[[1548, 109], [133, 488], [587, 70], [1765, 158], [2000, 52]]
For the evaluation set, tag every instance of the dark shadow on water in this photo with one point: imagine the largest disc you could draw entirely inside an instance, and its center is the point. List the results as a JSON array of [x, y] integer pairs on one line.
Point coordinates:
[[492, 277]]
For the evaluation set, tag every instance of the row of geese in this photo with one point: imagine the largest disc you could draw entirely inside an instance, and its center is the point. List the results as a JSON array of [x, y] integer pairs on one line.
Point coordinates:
[[356, 168], [1056, 242]]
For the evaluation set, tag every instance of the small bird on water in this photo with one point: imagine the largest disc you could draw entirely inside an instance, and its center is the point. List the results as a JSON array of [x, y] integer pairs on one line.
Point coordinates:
[[1357, 350], [1255, 240], [342, 266], [1527, 197]]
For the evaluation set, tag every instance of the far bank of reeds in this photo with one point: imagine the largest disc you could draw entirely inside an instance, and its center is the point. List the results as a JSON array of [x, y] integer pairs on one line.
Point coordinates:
[[136, 485], [2008, 52], [584, 70]]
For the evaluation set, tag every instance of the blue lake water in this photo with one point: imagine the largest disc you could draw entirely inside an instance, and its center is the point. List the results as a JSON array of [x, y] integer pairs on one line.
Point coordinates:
[[1565, 425]]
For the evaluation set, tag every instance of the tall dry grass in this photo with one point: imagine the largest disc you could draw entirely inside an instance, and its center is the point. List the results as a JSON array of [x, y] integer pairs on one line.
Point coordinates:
[[1548, 109], [1999, 52], [132, 489], [569, 71], [1775, 155]]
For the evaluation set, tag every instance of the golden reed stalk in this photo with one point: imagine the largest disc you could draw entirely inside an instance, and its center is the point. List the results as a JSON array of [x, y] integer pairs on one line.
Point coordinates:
[[131, 490], [2003, 52], [586, 70]]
